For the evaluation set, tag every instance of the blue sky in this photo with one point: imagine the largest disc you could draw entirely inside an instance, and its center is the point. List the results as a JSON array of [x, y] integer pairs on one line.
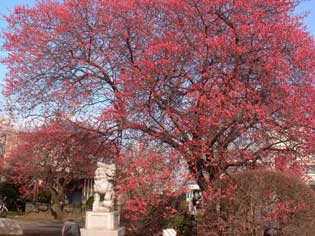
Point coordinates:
[[308, 6], [5, 7], [8, 5]]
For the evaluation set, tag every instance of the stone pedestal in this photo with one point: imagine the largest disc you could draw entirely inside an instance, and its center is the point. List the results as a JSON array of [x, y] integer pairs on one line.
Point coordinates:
[[102, 224]]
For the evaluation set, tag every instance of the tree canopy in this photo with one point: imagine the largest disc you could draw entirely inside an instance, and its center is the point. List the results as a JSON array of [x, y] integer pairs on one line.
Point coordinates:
[[222, 83]]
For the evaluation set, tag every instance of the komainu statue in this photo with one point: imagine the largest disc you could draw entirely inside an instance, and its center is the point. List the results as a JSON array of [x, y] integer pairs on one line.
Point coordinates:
[[104, 187]]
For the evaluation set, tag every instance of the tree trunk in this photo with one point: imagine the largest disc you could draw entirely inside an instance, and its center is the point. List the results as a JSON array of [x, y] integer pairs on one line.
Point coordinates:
[[56, 211], [56, 206]]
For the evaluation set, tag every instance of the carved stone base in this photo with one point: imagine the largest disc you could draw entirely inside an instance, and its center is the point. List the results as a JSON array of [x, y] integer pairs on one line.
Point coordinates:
[[102, 224]]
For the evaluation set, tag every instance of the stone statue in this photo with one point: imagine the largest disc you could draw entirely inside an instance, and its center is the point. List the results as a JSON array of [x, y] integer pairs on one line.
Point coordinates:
[[103, 187], [103, 219]]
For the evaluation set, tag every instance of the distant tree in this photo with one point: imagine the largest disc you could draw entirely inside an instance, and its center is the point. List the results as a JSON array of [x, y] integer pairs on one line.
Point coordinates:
[[51, 157]]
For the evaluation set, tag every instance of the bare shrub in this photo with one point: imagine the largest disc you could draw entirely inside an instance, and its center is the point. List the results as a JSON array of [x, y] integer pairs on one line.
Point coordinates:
[[253, 201]]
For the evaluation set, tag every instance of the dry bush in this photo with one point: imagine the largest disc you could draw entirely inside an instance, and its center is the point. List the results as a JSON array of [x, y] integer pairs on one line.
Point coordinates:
[[252, 201]]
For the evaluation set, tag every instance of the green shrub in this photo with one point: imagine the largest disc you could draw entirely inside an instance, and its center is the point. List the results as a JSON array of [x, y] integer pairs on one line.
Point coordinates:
[[89, 203], [12, 194], [182, 223], [44, 197]]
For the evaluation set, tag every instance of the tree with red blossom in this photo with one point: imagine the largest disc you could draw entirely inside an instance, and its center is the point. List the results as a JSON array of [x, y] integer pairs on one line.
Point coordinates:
[[52, 157], [222, 83]]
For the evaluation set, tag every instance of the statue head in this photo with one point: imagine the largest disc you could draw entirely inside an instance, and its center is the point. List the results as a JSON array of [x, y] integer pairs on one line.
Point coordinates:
[[105, 171]]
